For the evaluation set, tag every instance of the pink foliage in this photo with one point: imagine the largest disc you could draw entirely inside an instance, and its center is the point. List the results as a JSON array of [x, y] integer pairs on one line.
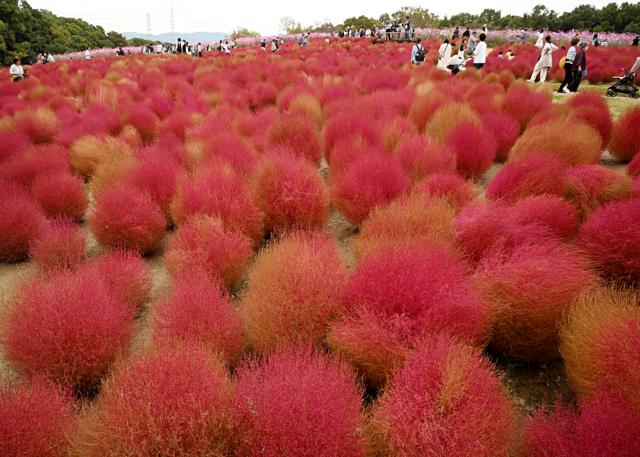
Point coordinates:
[[475, 149], [60, 194], [60, 245]]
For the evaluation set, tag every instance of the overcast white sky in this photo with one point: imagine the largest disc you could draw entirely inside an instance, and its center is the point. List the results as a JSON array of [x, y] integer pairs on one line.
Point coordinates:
[[262, 16]]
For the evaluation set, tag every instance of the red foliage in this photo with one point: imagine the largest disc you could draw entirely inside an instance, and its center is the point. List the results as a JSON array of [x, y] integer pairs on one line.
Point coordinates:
[[591, 186], [297, 403], [297, 133], [67, 328], [202, 242], [504, 129], [446, 400], [12, 143], [634, 166], [373, 179], [20, 223], [457, 190], [611, 237], [534, 174], [33, 162], [604, 425], [350, 126], [474, 148], [144, 121], [59, 246], [156, 177], [40, 124], [548, 211], [421, 156], [200, 311], [523, 103], [291, 193], [170, 401], [60, 194], [126, 218], [35, 420], [625, 136]]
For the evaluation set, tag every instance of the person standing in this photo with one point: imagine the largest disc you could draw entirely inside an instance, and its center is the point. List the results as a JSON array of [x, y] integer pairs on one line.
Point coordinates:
[[636, 41], [199, 49], [473, 41], [540, 39], [545, 62], [579, 68], [568, 67], [417, 53], [444, 54], [595, 41], [87, 55], [480, 53], [16, 71]]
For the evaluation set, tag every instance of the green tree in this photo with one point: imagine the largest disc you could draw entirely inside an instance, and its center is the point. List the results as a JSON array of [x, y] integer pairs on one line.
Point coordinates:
[[242, 33], [361, 22], [419, 17], [116, 39], [290, 26]]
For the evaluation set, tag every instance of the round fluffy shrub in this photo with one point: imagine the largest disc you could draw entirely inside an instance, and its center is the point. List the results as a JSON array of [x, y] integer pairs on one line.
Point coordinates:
[[446, 400], [523, 103], [448, 117], [60, 194], [625, 136], [591, 186], [550, 211], [406, 221], [21, 221], [294, 292], [421, 156], [475, 150], [202, 242], [530, 288], [373, 179], [59, 246], [505, 131], [35, 420], [395, 298], [456, 190], [291, 193], [169, 401], [156, 177], [533, 174], [67, 328], [600, 343], [126, 218], [200, 311], [208, 193], [298, 133], [88, 152], [611, 237], [633, 169], [604, 425], [572, 141], [40, 124], [298, 403]]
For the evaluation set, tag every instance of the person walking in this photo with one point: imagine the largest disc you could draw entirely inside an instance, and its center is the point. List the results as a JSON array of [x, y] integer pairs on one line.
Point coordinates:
[[480, 53], [579, 68], [16, 71], [417, 53], [444, 54], [545, 62], [568, 67]]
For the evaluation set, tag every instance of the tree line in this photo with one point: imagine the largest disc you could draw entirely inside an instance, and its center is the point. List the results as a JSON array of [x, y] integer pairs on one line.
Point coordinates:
[[26, 31]]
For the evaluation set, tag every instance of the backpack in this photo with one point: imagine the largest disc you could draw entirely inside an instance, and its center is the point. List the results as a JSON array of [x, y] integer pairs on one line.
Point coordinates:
[[420, 54]]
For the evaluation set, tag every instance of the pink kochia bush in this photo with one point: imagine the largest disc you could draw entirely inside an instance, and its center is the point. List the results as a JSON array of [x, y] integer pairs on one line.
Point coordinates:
[[606, 425], [591, 186], [294, 292], [67, 328], [549, 211], [126, 218], [397, 297], [35, 419], [611, 237], [168, 401], [455, 189], [58, 246], [625, 137], [504, 129], [530, 288], [203, 242], [299, 133], [373, 179], [199, 311], [291, 193], [475, 149], [421, 156], [447, 400], [21, 221], [297, 403], [60, 194]]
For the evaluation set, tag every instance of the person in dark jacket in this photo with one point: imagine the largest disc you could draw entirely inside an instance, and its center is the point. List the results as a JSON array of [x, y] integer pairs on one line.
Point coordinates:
[[568, 66], [579, 68]]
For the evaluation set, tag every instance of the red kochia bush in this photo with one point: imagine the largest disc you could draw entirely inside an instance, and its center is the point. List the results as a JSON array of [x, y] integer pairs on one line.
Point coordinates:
[[550, 211], [591, 186], [294, 292], [35, 420], [504, 129], [291, 193], [169, 401], [625, 137], [200, 311], [446, 400], [157, 178], [203, 242], [60, 194], [523, 104], [12, 143], [144, 120], [634, 166], [373, 179], [350, 127], [58, 246], [475, 150], [534, 174], [208, 193], [40, 124], [298, 133], [20, 223], [455, 189], [126, 218], [421, 156], [298, 403], [611, 237], [67, 328], [605, 425], [530, 288]]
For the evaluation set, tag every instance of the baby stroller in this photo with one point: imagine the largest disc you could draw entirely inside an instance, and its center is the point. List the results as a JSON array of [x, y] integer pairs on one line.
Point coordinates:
[[625, 85]]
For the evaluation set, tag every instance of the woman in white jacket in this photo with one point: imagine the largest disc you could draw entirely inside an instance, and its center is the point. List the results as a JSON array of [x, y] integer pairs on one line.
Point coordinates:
[[545, 62], [444, 54]]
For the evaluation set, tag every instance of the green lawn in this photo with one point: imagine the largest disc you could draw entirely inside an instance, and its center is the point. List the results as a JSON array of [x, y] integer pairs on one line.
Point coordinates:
[[618, 105]]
